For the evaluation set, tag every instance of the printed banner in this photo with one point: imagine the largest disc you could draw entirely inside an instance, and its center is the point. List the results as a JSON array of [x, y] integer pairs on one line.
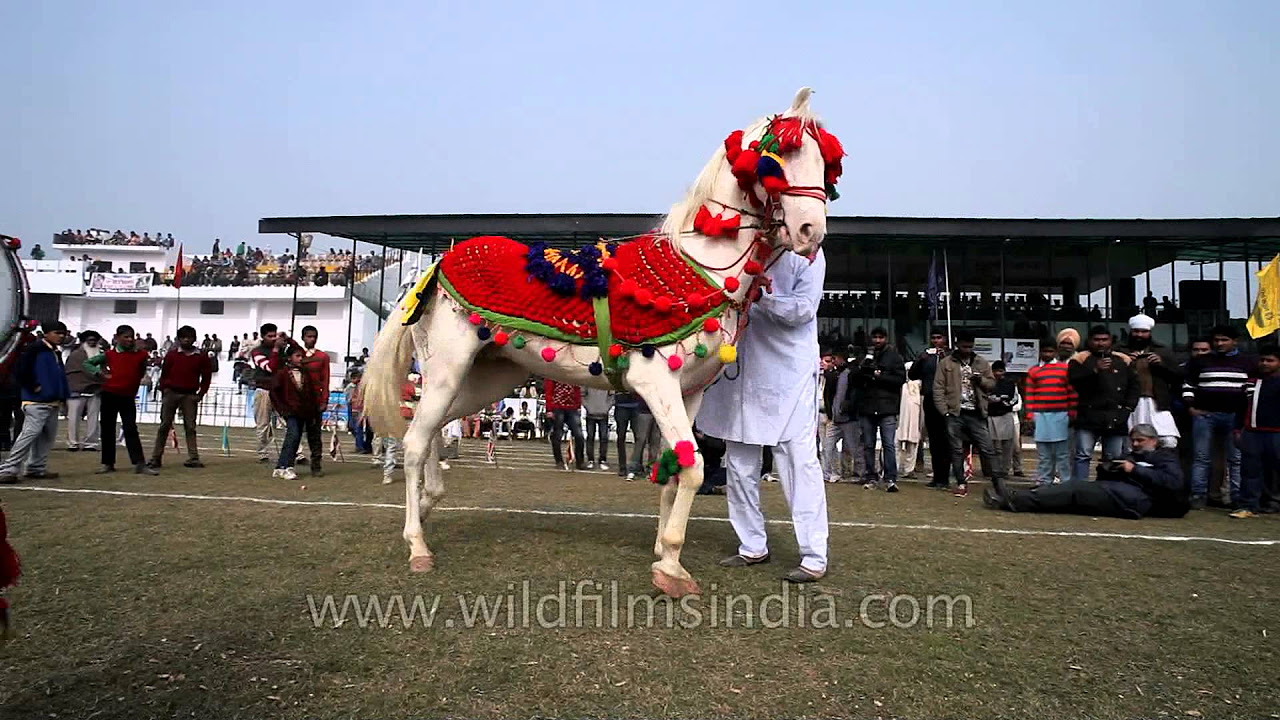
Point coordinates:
[[1020, 354], [117, 283]]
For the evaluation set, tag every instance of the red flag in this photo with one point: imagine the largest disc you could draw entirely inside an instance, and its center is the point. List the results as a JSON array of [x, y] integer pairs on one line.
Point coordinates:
[[178, 270]]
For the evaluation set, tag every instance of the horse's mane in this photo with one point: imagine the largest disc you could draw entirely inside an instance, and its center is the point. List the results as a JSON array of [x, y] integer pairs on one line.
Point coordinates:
[[680, 218]]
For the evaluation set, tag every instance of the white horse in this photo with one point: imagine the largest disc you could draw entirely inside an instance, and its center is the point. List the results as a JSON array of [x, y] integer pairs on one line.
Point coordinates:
[[764, 192]]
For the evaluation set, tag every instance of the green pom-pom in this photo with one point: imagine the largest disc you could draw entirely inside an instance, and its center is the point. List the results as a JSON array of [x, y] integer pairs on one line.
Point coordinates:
[[623, 363], [517, 342], [700, 350]]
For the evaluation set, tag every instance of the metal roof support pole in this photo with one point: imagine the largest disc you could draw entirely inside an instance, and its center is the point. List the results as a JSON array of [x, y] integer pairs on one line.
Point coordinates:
[[351, 295], [1248, 281], [868, 296], [1173, 295], [846, 320], [1106, 312], [1222, 288], [297, 278], [1146, 261], [1004, 323], [1048, 307], [400, 272], [382, 280], [1088, 282], [888, 261]]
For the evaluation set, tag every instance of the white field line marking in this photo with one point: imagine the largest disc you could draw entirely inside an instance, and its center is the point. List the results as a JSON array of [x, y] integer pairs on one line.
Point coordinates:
[[640, 516]]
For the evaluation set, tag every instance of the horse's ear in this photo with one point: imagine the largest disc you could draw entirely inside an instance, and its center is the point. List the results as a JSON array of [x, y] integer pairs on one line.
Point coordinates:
[[801, 103]]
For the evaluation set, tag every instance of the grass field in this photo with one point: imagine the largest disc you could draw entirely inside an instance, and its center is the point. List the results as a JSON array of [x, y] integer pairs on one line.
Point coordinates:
[[136, 606]]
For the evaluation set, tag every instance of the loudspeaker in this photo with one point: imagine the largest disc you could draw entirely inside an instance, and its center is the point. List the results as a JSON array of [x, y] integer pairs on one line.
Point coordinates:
[[1202, 294], [1124, 294]]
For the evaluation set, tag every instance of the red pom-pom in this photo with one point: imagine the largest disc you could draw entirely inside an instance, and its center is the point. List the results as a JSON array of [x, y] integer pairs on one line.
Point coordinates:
[[684, 453], [500, 338], [695, 301], [711, 325], [615, 350], [763, 251], [663, 303], [752, 268], [733, 145], [476, 319], [745, 166], [731, 284], [675, 362], [653, 474], [548, 354], [643, 297], [610, 263], [774, 185], [628, 289]]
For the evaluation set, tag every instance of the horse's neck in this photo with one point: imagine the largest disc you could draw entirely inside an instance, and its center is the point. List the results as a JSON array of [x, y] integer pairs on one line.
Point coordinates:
[[723, 257]]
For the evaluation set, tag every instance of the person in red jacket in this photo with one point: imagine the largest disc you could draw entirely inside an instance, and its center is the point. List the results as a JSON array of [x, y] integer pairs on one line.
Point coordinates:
[[293, 396], [564, 403], [123, 366], [315, 363], [185, 374]]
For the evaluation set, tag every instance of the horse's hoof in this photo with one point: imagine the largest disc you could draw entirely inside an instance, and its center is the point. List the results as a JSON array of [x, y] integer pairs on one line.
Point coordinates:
[[422, 563], [673, 586]]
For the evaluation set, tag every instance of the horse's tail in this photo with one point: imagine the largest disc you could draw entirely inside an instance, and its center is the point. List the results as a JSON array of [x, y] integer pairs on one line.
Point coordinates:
[[388, 367]]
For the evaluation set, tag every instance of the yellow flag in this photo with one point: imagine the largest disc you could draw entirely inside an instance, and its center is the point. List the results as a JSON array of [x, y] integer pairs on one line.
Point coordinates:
[[1265, 318]]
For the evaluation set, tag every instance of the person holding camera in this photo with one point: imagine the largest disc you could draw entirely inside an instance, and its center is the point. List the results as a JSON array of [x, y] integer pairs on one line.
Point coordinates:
[[1159, 380], [1148, 482], [880, 377], [1107, 391], [960, 390]]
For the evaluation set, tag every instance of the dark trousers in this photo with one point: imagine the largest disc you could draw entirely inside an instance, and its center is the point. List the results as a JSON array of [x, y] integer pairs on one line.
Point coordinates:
[[559, 419], [114, 406], [1075, 497], [598, 426], [170, 404], [970, 427], [623, 417], [10, 422], [935, 427], [315, 441], [1259, 454], [294, 428]]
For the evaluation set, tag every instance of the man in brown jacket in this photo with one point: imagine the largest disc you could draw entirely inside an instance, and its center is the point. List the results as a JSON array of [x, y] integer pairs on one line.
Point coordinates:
[[960, 389]]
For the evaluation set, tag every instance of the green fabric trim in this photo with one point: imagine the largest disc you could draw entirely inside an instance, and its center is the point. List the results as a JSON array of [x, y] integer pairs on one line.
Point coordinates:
[[604, 338]]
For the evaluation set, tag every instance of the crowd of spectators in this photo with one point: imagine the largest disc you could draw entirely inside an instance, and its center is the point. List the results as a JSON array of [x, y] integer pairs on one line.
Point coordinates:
[[246, 266], [1026, 309], [97, 236]]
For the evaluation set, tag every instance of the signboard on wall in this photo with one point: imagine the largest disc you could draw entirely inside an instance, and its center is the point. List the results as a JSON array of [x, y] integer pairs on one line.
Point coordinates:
[[119, 283], [1020, 354]]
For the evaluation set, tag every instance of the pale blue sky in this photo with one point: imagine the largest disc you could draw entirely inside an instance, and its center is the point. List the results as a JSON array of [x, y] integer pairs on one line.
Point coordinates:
[[200, 118]]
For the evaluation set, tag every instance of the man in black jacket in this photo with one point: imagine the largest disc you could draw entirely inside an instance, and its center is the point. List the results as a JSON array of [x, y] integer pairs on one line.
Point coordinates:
[[880, 378], [1147, 483], [1108, 390], [935, 423]]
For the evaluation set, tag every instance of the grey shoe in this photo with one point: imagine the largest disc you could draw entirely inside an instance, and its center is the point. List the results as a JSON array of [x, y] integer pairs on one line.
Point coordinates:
[[105, 469], [8, 479], [737, 561], [142, 469], [800, 575]]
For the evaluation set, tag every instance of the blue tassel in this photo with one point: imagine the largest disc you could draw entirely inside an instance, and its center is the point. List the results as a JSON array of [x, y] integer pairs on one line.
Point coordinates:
[[648, 350], [483, 333], [595, 368]]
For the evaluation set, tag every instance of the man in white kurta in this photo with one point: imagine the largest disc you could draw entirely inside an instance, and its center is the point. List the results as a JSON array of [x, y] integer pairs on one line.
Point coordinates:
[[770, 398]]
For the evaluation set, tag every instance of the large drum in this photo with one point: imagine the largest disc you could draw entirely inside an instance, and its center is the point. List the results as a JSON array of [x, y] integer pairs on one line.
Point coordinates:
[[15, 326]]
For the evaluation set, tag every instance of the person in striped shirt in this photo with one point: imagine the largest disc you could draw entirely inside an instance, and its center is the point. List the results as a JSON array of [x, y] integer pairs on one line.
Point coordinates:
[[1050, 402], [1214, 394], [1258, 435]]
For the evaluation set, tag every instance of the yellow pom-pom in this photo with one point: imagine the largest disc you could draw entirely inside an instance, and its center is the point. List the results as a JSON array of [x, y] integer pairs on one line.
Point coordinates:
[[728, 354]]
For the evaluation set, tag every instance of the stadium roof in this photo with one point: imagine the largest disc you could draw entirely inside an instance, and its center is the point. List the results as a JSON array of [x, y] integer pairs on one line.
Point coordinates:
[[1203, 239]]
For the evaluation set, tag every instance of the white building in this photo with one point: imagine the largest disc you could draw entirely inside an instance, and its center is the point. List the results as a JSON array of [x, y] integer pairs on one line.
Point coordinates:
[[117, 286]]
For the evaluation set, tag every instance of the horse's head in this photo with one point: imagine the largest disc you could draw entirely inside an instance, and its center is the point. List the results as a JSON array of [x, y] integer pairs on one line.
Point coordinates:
[[787, 167]]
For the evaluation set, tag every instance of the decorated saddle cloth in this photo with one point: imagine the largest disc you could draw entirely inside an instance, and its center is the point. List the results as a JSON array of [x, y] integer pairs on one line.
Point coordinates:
[[642, 291]]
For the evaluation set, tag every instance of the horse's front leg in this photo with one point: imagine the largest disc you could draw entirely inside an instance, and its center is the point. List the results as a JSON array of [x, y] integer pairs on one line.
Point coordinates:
[[660, 389], [668, 496]]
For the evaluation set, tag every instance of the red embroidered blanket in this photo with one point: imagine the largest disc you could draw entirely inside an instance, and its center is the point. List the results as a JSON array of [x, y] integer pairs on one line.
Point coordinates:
[[668, 301]]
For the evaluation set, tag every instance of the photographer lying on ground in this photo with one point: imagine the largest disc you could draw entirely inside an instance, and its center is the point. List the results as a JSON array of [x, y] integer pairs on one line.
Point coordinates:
[[1146, 483]]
